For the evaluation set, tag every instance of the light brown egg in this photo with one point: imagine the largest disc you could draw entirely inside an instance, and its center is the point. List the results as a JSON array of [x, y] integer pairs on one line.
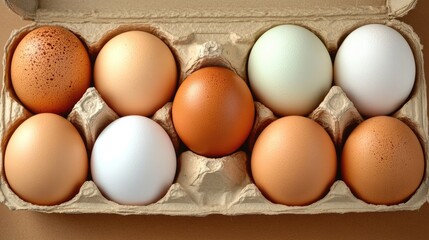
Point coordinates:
[[382, 161], [213, 111], [135, 73], [294, 161], [50, 70], [46, 161]]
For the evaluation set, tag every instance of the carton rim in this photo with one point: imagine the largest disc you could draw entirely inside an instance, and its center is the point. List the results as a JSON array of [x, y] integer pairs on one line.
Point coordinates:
[[27, 9]]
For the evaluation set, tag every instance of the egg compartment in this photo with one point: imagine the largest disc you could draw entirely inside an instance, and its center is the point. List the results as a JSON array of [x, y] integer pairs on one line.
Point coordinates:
[[202, 38], [16, 38]]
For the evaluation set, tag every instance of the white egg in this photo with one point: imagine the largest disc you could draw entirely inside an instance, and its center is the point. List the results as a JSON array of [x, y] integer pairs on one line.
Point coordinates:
[[133, 161], [289, 70], [375, 68]]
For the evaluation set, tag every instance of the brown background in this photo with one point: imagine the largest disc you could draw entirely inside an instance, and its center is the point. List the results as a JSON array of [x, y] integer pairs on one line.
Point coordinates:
[[390, 225]]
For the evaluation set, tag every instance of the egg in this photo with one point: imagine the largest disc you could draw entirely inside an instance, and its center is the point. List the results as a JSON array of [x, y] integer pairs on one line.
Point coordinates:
[[50, 70], [133, 161], [213, 111], [375, 67], [289, 70], [45, 161], [135, 73], [294, 161], [382, 161]]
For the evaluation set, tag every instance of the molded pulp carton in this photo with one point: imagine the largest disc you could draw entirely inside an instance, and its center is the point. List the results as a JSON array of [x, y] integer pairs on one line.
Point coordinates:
[[206, 33]]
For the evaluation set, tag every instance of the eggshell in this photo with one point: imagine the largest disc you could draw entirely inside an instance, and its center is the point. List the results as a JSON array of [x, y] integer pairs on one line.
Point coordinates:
[[50, 70], [213, 111], [45, 160], [135, 73], [294, 161], [290, 70], [376, 69], [382, 161], [133, 161]]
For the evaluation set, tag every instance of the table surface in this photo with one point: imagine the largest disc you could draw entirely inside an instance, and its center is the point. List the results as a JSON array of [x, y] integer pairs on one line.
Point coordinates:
[[388, 225]]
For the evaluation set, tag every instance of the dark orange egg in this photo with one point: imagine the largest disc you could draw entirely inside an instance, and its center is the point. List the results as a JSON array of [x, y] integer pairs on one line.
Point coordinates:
[[213, 111]]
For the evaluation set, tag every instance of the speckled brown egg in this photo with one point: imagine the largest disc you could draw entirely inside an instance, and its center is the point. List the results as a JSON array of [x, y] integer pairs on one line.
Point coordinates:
[[382, 161], [213, 111], [50, 70]]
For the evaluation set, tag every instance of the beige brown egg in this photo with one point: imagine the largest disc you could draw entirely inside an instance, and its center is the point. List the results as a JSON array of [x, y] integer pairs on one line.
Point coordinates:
[[50, 70], [46, 162], [294, 161]]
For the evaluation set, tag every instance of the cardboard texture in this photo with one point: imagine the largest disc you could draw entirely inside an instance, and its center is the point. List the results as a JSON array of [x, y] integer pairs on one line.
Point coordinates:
[[214, 33]]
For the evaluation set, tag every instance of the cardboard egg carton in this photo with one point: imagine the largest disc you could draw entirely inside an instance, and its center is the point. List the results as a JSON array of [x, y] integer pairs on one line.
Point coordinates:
[[217, 33]]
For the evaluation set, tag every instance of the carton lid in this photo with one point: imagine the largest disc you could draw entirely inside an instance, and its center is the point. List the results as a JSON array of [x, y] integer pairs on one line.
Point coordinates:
[[82, 10]]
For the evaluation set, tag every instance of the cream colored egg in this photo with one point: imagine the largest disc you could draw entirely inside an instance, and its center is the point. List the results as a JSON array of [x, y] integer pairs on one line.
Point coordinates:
[[135, 73]]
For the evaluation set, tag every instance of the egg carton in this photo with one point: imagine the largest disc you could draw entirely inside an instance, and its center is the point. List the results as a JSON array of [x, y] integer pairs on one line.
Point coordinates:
[[220, 36]]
